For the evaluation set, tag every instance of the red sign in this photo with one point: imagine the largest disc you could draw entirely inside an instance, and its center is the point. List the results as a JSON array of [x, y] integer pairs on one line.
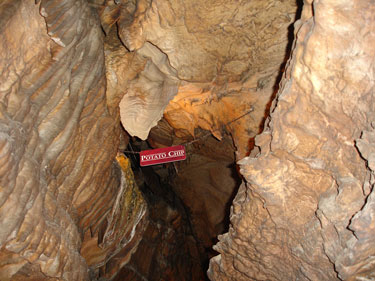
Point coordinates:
[[162, 155]]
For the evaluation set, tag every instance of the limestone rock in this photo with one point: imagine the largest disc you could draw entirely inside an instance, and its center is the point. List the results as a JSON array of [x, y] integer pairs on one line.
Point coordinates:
[[71, 210], [58, 141], [237, 109], [301, 214], [147, 96], [226, 54], [204, 39]]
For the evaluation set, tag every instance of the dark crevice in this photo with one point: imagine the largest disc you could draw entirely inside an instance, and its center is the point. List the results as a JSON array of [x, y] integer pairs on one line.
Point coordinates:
[[288, 51], [158, 185], [154, 183], [166, 189]]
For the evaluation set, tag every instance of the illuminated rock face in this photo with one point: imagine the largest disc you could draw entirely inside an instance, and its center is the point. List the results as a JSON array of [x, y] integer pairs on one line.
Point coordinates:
[[60, 186], [306, 211], [217, 59]]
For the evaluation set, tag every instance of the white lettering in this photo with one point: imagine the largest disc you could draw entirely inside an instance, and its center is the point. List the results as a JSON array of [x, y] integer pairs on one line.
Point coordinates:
[[151, 157], [175, 153], [162, 157]]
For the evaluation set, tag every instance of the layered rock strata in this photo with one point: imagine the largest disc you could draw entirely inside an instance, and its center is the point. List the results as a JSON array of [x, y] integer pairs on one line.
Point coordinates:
[[306, 209], [60, 185]]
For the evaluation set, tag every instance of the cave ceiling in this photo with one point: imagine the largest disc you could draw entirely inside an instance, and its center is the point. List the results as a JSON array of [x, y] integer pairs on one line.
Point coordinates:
[[199, 64]]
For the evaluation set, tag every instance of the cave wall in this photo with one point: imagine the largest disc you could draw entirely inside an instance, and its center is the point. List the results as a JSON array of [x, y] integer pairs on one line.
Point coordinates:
[[60, 183], [69, 205], [306, 209], [205, 66]]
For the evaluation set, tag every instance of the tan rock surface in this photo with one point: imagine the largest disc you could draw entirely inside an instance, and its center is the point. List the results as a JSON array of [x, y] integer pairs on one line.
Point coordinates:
[[70, 211], [206, 39], [59, 181], [303, 212], [225, 54]]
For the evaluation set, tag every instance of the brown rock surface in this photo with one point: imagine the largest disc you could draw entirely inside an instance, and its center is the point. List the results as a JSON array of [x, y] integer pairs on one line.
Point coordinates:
[[70, 208], [206, 183], [206, 39], [218, 58], [59, 181], [306, 210]]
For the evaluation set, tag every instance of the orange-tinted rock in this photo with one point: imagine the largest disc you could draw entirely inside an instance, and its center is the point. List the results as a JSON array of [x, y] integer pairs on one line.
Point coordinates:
[[226, 59], [237, 110], [302, 213]]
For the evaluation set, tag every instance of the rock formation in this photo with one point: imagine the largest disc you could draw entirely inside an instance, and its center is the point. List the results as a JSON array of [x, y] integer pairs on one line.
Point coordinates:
[[306, 210], [204, 74], [61, 187], [224, 59]]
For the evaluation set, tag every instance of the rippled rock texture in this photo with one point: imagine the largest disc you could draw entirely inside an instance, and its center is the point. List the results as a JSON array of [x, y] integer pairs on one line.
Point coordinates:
[[306, 211], [215, 59], [70, 208], [60, 185], [207, 67]]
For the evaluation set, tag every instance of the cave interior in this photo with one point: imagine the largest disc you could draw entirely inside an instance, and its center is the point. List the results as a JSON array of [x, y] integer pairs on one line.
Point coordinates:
[[272, 102]]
